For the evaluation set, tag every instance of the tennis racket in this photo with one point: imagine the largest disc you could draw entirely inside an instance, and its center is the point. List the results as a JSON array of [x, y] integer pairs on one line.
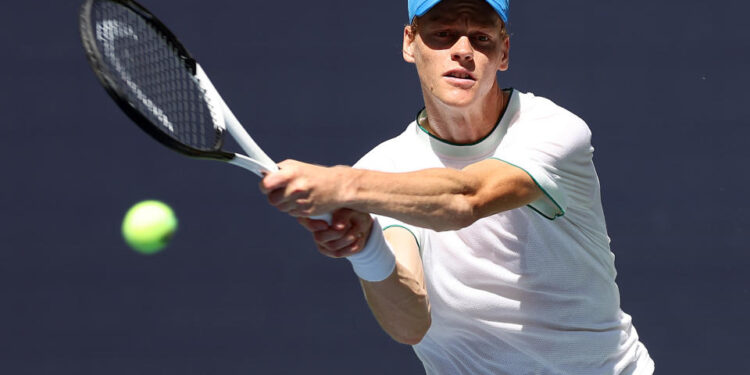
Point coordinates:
[[153, 78]]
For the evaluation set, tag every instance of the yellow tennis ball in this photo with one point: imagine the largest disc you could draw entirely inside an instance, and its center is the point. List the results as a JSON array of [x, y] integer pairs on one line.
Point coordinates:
[[148, 226]]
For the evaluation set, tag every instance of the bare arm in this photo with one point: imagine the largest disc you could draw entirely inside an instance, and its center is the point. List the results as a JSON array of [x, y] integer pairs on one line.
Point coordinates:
[[442, 198], [399, 302], [439, 199]]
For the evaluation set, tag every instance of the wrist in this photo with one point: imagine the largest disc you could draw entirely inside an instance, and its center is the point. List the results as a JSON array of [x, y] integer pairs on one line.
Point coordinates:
[[375, 262], [348, 181]]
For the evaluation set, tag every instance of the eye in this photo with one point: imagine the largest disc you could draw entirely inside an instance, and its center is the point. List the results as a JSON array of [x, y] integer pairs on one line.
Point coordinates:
[[482, 38], [443, 34]]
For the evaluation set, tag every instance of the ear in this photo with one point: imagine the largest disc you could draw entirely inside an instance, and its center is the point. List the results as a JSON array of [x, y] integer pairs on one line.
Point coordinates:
[[505, 61], [408, 46]]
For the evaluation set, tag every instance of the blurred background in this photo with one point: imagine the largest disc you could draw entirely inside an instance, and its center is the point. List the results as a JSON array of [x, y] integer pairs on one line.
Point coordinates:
[[241, 290]]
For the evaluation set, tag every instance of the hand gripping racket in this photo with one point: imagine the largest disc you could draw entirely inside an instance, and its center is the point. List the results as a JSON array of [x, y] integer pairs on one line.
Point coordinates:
[[161, 87]]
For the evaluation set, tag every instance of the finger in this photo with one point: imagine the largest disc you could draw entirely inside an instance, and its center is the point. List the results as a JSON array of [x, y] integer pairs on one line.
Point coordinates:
[[326, 252], [273, 181], [287, 163], [312, 225], [362, 227], [353, 240], [348, 251], [352, 236], [277, 200], [275, 197], [328, 235], [341, 218], [286, 195], [302, 205], [262, 186], [329, 253], [288, 208]]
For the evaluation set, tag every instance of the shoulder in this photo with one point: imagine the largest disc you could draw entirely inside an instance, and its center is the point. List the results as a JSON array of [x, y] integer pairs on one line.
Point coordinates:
[[538, 119], [540, 112], [386, 155]]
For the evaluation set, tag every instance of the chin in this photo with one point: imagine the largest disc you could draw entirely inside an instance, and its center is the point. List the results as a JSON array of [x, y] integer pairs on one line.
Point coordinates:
[[458, 101]]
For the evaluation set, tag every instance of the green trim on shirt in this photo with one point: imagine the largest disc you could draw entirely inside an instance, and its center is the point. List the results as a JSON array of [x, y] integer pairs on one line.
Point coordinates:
[[499, 120], [560, 209], [412, 233]]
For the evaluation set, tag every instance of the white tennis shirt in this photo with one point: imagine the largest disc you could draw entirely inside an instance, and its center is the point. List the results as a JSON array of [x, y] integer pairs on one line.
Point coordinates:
[[530, 290]]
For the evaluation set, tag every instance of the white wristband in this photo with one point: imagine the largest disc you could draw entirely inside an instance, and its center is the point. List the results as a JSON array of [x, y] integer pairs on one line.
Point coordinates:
[[376, 260]]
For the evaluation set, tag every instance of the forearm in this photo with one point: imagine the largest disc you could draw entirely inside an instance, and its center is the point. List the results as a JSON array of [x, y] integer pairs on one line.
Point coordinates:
[[400, 305], [399, 301], [438, 198]]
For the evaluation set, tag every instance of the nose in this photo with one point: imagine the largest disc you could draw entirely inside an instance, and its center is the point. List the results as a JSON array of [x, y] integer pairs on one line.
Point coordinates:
[[462, 50]]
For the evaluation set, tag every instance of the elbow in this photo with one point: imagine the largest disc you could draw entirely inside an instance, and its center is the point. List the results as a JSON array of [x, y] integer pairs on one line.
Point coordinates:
[[413, 327], [414, 334], [462, 212]]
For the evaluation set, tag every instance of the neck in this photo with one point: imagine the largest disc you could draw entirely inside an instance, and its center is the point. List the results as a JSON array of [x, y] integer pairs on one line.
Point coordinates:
[[464, 125]]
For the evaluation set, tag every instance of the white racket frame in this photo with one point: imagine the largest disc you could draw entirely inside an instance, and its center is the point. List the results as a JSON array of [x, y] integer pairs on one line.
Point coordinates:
[[256, 160]]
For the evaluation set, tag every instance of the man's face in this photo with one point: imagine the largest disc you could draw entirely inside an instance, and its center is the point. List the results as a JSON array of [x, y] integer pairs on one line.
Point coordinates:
[[458, 49]]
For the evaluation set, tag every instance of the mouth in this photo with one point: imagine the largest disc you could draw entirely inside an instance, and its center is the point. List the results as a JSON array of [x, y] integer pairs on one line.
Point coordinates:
[[460, 74], [460, 78]]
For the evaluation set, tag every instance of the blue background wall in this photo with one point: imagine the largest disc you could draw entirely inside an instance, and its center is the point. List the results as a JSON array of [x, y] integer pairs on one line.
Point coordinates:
[[241, 290]]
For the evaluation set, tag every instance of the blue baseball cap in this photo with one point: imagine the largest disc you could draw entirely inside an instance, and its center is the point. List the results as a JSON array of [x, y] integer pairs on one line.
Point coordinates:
[[420, 7]]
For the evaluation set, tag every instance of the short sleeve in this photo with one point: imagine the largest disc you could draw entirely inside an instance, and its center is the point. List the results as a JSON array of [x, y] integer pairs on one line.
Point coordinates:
[[556, 152]]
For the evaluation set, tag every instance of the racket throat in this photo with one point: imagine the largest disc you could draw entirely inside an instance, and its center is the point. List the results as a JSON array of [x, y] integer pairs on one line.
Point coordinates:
[[227, 120], [251, 165]]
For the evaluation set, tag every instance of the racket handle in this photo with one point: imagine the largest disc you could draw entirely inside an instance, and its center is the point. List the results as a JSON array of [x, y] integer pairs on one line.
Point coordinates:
[[325, 217]]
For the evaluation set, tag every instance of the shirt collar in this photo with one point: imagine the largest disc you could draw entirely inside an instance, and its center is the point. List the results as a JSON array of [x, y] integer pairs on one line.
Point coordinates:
[[480, 148]]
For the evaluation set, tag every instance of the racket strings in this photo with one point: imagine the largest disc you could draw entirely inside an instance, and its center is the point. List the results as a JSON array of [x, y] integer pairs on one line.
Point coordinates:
[[149, 71]]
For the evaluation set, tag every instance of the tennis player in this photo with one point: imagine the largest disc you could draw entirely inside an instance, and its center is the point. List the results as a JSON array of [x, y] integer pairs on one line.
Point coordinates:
[[477, 233]]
